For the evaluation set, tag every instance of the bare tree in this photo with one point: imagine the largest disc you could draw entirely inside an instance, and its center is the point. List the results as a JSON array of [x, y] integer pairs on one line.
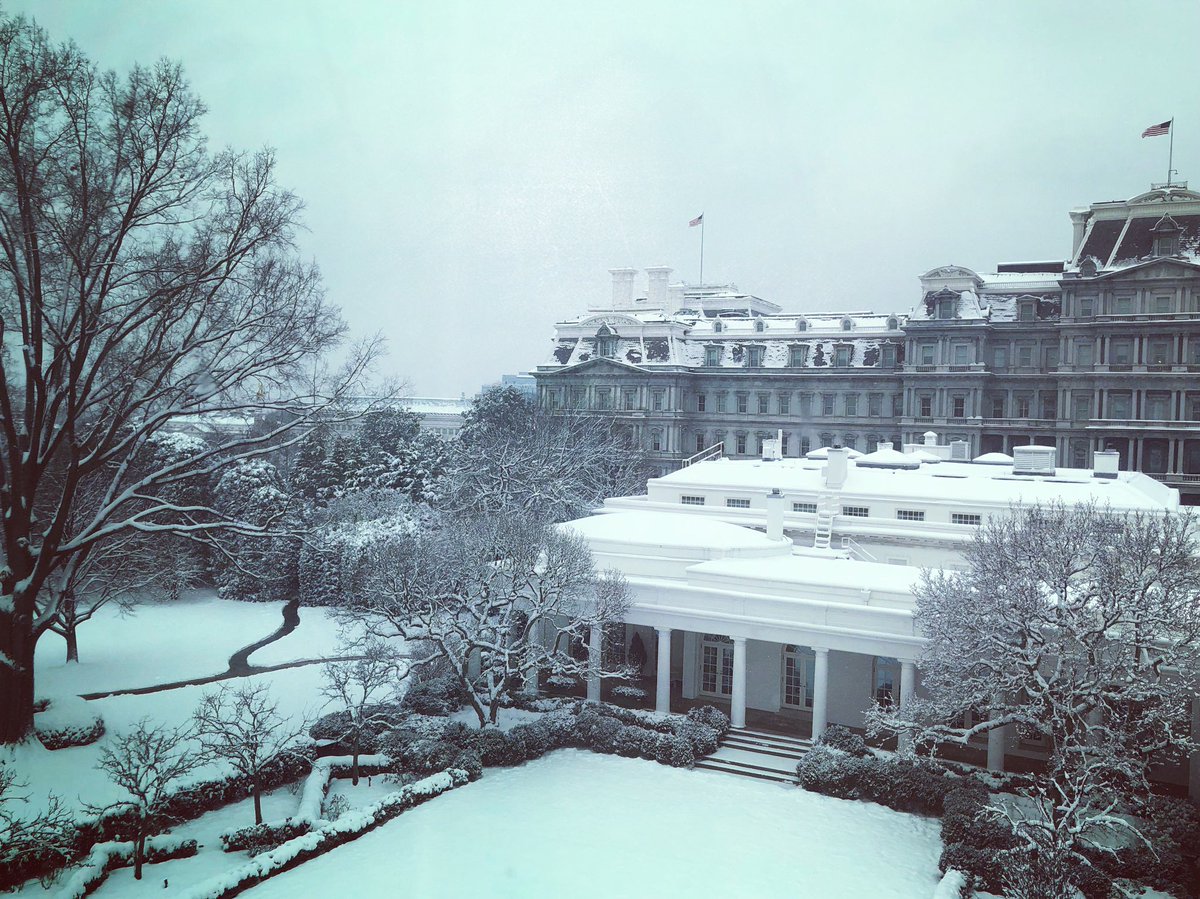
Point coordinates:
[[147, 762], [498, 599], [361, 686], [144, 280], [36, 838], [1078, 626], [242, 726]]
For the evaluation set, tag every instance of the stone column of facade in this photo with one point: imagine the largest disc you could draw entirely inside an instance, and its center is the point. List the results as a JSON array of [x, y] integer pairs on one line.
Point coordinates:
[[908, 684], [820, 709], [595, 645], [737, 715], [662, 694]]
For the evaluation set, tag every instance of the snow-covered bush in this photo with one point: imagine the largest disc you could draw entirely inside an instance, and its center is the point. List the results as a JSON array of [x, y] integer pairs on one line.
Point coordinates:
[[839, 737], [434, 691], [712, 716], [250, 567], [675, 751], [106, 857], [68, 721], [702, 738], [333, 727], [261, 837], [903, 784]]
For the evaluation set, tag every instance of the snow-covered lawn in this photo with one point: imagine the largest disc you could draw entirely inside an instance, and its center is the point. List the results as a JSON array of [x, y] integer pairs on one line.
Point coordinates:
[[579, 824]]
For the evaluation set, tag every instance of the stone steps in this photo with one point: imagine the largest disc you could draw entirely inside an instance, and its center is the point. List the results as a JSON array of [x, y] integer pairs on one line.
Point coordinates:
[[757, 754]]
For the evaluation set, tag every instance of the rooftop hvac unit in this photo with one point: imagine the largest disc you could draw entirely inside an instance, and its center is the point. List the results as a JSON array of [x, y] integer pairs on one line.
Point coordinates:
[[960, 451], [1034, 459], [772, 449]]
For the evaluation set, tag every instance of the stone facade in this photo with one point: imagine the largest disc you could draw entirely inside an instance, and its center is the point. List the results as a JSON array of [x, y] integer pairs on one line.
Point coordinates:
[[1095, 351]]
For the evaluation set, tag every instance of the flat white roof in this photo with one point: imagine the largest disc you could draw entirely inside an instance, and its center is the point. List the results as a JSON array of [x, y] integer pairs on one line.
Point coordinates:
[[672, 530], [955, 483]]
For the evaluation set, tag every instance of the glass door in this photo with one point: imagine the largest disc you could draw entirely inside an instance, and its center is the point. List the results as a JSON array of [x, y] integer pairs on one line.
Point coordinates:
[[716, 665], [799, 673]]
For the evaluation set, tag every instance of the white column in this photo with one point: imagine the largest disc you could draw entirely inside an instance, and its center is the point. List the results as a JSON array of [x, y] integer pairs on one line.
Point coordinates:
[[690, 664], [820, 692], [662, 694], [595, 644], [738, 711], [908, 683]]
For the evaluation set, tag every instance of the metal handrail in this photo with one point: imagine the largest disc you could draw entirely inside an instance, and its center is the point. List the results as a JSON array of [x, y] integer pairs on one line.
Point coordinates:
[[716, 451]]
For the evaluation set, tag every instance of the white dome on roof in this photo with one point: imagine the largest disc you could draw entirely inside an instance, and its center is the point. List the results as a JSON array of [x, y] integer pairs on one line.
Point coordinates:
[[823, 453], [888, 458], [926, 457], [994, 459]]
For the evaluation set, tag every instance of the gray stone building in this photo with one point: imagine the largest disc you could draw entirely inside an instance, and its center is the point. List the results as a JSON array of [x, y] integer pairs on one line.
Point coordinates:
[[1097, 350]]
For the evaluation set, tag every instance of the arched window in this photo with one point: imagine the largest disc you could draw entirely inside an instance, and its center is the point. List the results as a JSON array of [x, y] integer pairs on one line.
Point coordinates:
[[801, 325], [847, 324], [892, 323], [718, 327], [759, 326]]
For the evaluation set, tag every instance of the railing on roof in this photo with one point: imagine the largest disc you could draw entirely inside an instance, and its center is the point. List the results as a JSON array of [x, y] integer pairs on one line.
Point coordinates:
[[1163, 185], [716, 451], [849, 543]]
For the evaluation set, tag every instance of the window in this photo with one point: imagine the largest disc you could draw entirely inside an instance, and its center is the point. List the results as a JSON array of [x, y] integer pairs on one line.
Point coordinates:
[[798, 356], [805, 508], [578, 397], [851, 404], [805, 409], [945, 308], [754, 357], [1026, 312], [630, 400], [827, 403], [603, 398], [961, 352], [847, 324], [1081, 405], [734, 503], [1159, 351], [1193, 407], [892, 323], [801, 325], [1084, 352], [910, 514], [741, 444], [785, 403], [1087, 307], [799, 676], [656, 400], [712, 356], [783, 443], [889, 355], [1000, 357], [1122, 305], [1120, 405], [552, 399], [701, 402], [1158, 406], [997, 407], [1049, 404], [875, 405], [606, 346], [1164, 305], [656, 441], [925, 405], [692, 500], [806, 445], [716, 665], [856, 511], [850, 441], [1025, 356], [1051, 358], [743, 403], [1120, 351], [700, 447], [928, 353], [764, 403], [897, 404], [759, 327], [718, 327], [958, 406], [885, 681], [1023, 404], [965, 518], [720, 402], [841, 356]]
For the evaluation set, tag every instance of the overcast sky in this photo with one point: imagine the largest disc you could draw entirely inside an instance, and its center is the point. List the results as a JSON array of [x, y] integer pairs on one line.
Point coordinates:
[[473, 169]]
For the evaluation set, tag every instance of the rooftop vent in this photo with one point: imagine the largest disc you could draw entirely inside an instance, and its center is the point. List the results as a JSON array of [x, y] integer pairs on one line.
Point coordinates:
[[960, 451], [772, 449], [1033, 459], [1106, 463]]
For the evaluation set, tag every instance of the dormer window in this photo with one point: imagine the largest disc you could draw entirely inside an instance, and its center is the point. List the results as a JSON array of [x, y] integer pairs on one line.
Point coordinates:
[[847, 324], [892, 323], [712, 356], [718, 327], [889, 355], [801, 325], [1026, 311], [1166, 236], [754, 357], [841, 356], [798, 356], [945, 308], [759, 326], [606, 342]]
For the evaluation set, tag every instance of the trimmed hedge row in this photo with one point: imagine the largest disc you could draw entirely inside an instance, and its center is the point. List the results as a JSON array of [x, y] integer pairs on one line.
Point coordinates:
[[107, 857], [903, 784], [263, 837]]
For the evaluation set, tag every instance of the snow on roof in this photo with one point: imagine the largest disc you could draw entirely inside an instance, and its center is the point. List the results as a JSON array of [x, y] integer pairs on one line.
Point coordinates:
[[888, 458], [823, 453], [994, 459], [432, 405], [813, 571], [671, 530], [952, 483]]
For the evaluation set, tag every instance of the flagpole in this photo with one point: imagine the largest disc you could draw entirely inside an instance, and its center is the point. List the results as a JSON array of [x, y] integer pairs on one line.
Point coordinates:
[[702, 250], [1171, 152]]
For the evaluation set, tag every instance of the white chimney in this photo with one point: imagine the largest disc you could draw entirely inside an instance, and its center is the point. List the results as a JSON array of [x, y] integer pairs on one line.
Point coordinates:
[[1033, 459], [835, 468], [775, 514], [1106, 463], [622, 287], [931, 438], [658, 288]]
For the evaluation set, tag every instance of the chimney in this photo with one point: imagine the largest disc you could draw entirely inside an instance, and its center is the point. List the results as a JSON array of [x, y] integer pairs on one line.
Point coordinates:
[[775, 514], [931, 438], [835, 468], [622, 287], [1106, 463], [658, 287]]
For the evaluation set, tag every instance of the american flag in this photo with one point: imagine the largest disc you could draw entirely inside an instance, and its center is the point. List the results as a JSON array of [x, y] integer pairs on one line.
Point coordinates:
[[1158, 130], [698, 220]]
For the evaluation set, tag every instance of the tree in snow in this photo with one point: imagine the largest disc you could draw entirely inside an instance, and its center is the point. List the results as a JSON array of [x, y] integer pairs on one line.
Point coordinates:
[[34, 839], [143, 280], [497, 599], [361, 687], [243, 727], [249, 566], [1079, 626], [147, 762], [512, 455]]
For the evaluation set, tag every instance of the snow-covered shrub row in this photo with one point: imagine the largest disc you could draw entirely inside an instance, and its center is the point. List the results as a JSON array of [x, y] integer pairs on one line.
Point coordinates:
[[974, 842], [330, 729], [316, 785], [68, 721], [259, 838], [106, 857], [906, 785], [1171, 863], [326, 837]]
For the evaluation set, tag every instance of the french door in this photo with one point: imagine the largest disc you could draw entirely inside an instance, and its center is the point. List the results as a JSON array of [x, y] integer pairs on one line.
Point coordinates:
[[716, 665], [799, 674]]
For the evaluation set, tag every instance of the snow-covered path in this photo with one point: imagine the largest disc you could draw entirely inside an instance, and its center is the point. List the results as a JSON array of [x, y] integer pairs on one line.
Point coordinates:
[[584, 825]]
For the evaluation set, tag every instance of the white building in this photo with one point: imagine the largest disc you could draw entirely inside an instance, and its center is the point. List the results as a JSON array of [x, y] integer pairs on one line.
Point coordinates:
[[783, 589], [439, 415]]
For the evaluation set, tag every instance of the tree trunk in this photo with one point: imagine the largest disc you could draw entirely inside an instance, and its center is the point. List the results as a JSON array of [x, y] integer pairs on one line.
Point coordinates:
[[139, 851], [72, 645], [354, 764], [257, 800], [16, 677], [69, 621]]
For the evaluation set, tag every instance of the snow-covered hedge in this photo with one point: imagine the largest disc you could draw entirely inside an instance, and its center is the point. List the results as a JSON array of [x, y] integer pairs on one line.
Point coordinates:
[[106, 857], [68, 721], [328, 836]]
